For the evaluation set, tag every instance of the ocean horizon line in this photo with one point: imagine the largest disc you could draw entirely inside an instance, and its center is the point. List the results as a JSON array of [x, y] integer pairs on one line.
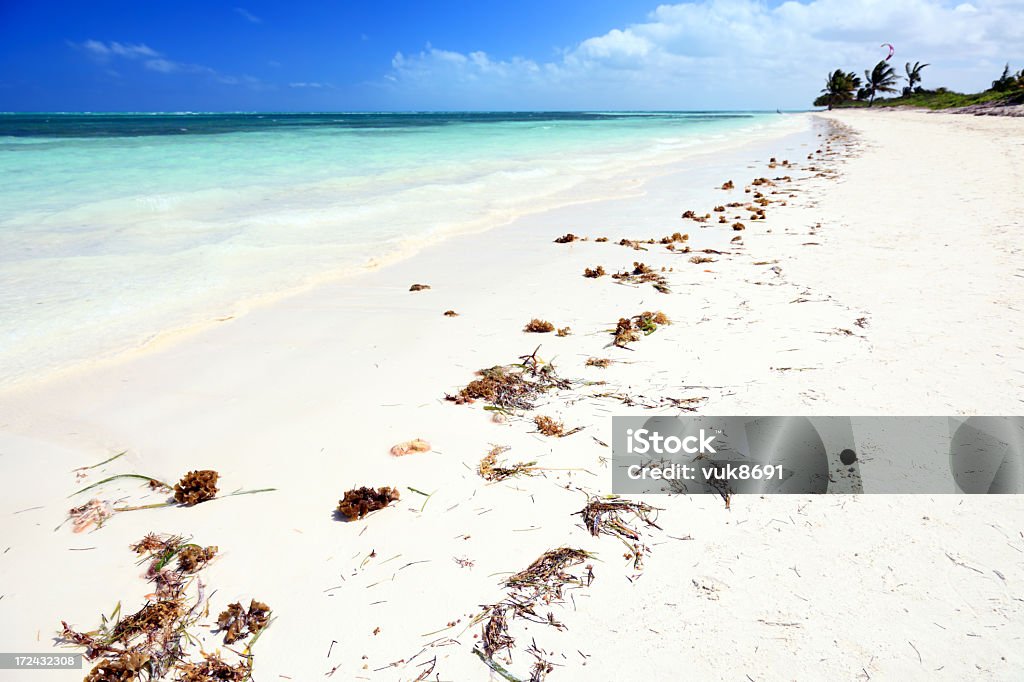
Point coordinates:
[[372, 112]]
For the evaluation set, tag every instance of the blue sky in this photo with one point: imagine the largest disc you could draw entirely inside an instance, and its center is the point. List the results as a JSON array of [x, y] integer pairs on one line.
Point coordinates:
[[152, 55]]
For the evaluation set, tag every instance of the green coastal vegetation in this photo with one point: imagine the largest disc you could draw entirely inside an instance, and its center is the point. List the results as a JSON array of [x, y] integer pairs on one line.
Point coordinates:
[[847, 89]]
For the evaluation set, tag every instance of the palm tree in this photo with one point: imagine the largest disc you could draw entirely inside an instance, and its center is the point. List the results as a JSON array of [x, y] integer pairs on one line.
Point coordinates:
[[913, 76], [882, 78], [1004, 82], [839, 87]]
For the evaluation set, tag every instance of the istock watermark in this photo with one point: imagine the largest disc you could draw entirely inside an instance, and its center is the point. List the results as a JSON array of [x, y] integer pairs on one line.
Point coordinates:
[[801, 455]]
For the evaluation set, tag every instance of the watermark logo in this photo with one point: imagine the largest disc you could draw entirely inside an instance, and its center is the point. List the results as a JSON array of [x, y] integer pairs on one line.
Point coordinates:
[[645, 441], [809, 455]]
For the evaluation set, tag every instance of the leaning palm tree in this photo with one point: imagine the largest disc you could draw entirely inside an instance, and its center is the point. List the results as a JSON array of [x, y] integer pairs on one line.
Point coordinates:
[[839, 87], [913, 76], [882, 78]]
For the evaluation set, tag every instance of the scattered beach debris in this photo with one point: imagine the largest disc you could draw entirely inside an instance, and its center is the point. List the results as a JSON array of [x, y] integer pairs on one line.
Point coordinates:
[[538, 326], [490, 470], [450, 313], [598, 362], [542, 584], [567, 238], [738, 226], [410, 446], [642, 274], [628, 328], [419, 287], [564, 331], [728, 184], [633, 244], [195, 487], [697, 260], [601, 239], [649, 403], [359, 502], [594, 273], [154, 642], [605, 516]]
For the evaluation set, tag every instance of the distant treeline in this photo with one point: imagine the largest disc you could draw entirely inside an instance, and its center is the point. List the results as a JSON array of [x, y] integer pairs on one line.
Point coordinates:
[[847, 89]]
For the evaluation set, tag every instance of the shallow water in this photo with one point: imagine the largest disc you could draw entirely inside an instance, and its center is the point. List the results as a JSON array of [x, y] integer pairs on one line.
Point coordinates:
[[117, 227]]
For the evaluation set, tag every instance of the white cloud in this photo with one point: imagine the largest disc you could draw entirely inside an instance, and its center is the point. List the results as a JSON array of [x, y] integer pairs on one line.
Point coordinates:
[[248, 16], [102, 50], [305, 84], [162, 65], [727, 53], [152, 60]]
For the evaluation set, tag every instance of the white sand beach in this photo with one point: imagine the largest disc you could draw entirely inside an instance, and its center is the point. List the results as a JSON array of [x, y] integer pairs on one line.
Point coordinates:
[[890, 282]]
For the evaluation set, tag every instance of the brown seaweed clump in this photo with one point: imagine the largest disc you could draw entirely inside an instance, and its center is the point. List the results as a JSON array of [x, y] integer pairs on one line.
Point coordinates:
[[738, 226], [697, 260], [419, 287], [538, 326], [598, 362], [601, 239], [158, 616], [594, 273], [124, 668], [675, 237], [237, 623], [549, 426], [728, 185], [567, 238], [624, 332], [628, 328], [215, 669], [191, 558], [195, 487], [512, 387], [450, 313], [359, 502], [153, 643], [563, 331]]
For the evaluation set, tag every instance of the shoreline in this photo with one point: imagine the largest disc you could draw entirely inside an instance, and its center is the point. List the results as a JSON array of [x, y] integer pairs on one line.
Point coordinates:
[[597, 189], [309, 395]]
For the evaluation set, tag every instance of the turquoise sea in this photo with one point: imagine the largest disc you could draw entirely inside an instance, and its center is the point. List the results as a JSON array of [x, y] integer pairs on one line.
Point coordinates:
[[117, 227]]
